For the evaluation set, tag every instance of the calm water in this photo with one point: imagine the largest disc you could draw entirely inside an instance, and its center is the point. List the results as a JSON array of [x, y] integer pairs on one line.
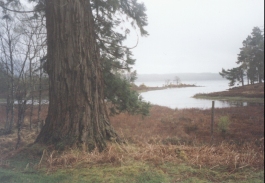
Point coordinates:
[[182, 97]]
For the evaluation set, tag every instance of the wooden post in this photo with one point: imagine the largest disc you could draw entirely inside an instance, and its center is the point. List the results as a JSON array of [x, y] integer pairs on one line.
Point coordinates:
[[212, 122]]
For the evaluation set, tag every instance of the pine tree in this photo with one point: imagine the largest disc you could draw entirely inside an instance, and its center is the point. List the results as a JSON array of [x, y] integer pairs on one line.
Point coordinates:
[[250, 59], [85, 55], [233, 75], [257, 53]]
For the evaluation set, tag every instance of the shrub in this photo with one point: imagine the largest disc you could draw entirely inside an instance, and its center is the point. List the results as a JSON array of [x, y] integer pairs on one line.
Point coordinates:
[[192, 127], [223, 125], [142, 86]]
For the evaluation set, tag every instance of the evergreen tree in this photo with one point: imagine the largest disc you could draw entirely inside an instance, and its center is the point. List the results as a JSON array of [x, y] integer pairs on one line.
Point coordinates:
[[250, 59], [233, 75], [257, 53], [109, 20], [115, 57], [85, 56], [244, 60]]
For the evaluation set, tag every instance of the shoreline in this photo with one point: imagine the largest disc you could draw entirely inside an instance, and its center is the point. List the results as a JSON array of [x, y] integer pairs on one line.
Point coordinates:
[[143, 88], [248, 93]]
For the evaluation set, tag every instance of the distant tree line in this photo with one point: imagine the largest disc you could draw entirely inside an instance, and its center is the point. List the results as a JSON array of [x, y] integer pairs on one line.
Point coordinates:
[[176, 80], [250, 61], [22, 79]]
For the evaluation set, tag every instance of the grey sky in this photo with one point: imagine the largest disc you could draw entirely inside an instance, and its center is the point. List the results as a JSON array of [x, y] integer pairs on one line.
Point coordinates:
[[195, 35]]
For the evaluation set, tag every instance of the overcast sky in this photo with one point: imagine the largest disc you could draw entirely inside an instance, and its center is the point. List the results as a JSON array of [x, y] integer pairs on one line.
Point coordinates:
[[194, 36]]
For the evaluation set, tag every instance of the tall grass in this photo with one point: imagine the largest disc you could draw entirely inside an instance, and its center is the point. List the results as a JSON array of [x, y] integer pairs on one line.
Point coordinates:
[[166, 137]]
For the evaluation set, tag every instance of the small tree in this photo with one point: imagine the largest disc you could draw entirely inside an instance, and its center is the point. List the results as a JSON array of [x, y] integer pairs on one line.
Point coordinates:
[[20, 46], [9, 40], [177, 80], [167, 82]]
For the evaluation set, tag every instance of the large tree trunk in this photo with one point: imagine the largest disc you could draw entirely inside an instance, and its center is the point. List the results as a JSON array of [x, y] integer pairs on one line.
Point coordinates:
[[77, 114]]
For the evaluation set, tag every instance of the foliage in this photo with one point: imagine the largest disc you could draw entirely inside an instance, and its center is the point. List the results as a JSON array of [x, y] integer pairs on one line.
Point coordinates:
[[122, 98], [116, 58], [250, 60], [233, 75]]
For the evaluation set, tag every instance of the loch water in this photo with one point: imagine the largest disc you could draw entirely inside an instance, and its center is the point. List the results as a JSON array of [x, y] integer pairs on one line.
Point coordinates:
[[183, 97]]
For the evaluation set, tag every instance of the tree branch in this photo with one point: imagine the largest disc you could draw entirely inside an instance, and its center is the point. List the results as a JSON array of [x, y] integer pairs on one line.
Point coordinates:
[[17, 11]]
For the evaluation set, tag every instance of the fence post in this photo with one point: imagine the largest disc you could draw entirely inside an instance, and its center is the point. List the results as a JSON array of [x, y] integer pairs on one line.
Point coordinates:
[[212, 123]]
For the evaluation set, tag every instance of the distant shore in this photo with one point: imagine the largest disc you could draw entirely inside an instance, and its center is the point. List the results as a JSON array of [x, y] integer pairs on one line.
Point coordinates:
[[247, 93], [143, 88]]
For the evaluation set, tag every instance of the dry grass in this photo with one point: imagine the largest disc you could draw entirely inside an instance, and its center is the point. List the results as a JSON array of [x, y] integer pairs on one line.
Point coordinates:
[[224, 155], [176, 136], [192, 126]]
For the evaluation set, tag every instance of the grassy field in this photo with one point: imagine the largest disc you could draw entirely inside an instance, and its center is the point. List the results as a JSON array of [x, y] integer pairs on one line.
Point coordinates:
[[134, 172], [167, 146]]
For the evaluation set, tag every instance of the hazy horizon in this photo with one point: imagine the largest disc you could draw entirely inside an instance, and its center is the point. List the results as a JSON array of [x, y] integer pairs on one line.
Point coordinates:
[[182, 76], [190, 36]]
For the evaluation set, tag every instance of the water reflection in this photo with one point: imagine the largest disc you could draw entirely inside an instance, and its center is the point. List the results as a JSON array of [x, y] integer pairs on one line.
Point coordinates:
[[35, 102], [242, 104]]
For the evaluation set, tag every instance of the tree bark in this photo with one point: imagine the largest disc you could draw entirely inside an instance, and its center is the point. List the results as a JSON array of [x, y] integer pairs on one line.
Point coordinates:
[[77, 113]]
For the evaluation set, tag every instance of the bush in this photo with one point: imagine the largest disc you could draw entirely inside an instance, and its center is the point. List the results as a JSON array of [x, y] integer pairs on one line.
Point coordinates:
[[223, 125], [192, 127], [142, 86]]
